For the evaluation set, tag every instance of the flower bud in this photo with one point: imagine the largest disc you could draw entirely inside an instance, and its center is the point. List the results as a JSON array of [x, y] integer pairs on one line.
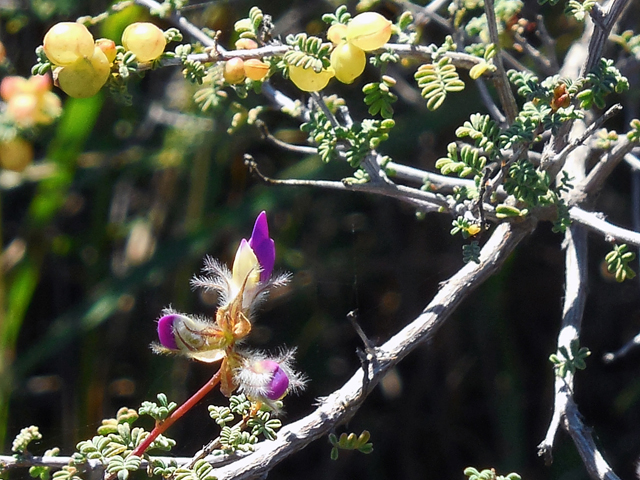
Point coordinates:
[[277, 386], [246, 269], [263, 247], [266, 379], [165, 332], [194, 337]]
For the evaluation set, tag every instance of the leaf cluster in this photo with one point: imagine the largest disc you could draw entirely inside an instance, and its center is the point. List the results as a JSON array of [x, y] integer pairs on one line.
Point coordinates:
[[341, 16], [488, 474], [527, 184], [350, 441], [379, 97], [251, 425], [43, 65], [484, 132], [618, 261], [486, 65], [41, 471], [628, 41], [123, 467], [603, 80], [158, 411], [211, 96], [579, 9], [253, 26], [200, 471], [309, 52], [167, 7], [462, 161], [356, 142], [634, 133], [471, 252], [405, 29], [364, 137], [606, 139], [466, 227], [24, 438], [568, 361]]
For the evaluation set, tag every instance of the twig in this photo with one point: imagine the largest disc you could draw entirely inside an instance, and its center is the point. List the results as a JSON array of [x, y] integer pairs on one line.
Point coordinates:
[[283, 103], [500, 80], [542, 61], [633, 161], [559, 158], [367, 357], [415, 175], [548, 41], [368, 344], [303, 149], [428, 202], [494, 111], [626, 348], [565, 411], [184, 25], [604, 22], [215, 443], [605, 166], [612, 233], [597, 466]]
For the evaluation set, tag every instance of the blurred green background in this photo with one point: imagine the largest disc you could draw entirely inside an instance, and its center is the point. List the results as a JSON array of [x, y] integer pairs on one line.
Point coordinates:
[[94, 251]]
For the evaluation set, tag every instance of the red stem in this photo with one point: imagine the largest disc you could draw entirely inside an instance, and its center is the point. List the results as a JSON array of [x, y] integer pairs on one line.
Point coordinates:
[[179, 412]]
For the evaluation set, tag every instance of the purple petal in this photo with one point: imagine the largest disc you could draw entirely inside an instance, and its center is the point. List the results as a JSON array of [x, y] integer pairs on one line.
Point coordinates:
[[263, 246], [165, 331], [279, 382]]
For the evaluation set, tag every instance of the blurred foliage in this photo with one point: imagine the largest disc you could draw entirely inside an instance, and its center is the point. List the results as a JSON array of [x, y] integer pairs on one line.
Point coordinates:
[[128, 199]]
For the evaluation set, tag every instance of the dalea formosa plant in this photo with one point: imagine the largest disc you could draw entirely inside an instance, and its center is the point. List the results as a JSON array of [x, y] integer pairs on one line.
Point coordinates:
[[534, 150]]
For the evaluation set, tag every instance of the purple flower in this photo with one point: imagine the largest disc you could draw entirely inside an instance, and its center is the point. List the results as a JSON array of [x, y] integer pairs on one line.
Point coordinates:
[[263, 246], [194, 337], [268, 379], [279, 383], [165, 332]]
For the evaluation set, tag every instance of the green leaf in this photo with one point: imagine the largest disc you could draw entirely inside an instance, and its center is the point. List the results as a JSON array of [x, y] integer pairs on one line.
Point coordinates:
[[379, 97], [506, 211], [464, 162], [436, 80], [483, 131]]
